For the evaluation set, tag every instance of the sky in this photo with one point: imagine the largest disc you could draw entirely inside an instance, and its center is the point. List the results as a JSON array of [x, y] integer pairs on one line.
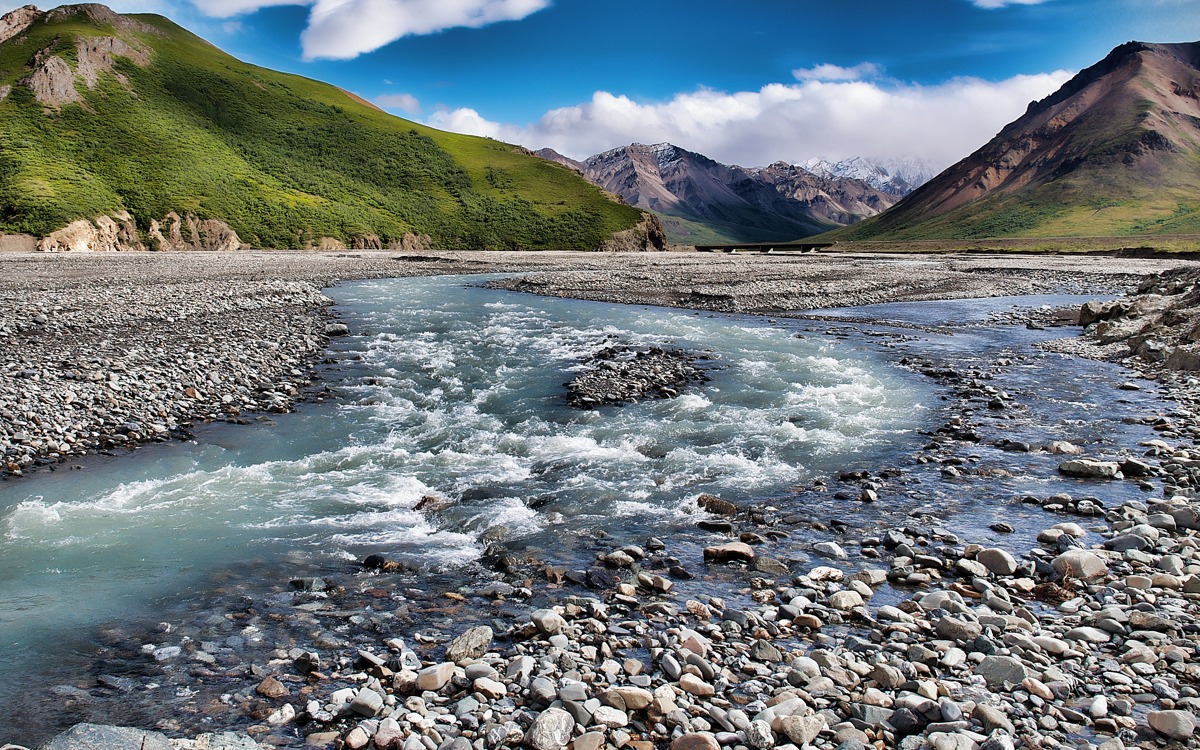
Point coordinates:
[[748, 83]]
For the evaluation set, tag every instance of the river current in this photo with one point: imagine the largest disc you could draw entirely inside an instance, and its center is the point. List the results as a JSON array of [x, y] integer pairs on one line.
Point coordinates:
[[449, 390]]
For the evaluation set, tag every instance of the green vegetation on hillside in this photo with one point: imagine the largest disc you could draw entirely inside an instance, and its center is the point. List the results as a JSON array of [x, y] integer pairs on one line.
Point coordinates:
[[283, 160]]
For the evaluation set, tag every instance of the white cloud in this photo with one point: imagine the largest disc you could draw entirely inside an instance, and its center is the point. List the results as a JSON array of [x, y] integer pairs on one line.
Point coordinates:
[[345, 29], [829, 72], [399, 103], [993, 4], [792, 122]]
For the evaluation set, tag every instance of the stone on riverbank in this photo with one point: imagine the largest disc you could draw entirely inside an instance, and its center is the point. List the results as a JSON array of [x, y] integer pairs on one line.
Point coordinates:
[[1079, 564]]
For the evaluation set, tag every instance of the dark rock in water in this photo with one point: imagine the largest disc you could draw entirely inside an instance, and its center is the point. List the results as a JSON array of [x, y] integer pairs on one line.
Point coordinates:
[[732, 551], [623, 375], [680, 572], [374, 562], [714, 504], [770, 566], [308, 662], [723, 526], [600, 579], [99, 737], [123, 684]]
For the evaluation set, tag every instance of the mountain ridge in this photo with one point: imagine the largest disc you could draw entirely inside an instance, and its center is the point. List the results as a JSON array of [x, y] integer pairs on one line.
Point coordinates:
[[129, 132], [1115, 151], [700, 200]]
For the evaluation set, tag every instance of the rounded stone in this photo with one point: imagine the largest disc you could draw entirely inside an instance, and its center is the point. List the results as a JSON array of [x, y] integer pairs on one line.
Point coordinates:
[[551, 730]]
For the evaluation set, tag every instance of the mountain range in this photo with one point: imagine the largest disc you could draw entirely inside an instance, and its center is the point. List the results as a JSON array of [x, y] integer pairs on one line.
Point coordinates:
[[893, 176], [127, 131], [702, 201], [1115, 151]]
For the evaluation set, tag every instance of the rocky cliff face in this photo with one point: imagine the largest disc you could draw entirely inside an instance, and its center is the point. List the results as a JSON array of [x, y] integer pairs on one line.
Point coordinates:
[[646, 236], [53, 80], [15, 22], [118, 233]]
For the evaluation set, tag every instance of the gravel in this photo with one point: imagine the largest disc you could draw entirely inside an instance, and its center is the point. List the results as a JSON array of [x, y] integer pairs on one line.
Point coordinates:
[[1088, 638]]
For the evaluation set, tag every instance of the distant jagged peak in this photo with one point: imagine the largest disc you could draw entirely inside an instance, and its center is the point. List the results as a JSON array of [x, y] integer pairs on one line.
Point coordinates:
[[898, 176], [664, 154]]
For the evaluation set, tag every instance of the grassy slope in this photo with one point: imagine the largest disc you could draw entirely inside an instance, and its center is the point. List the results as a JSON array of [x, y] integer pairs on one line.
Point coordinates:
[[283, 159]]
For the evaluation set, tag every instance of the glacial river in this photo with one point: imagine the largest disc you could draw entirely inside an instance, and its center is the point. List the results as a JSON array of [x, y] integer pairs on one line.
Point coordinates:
[[451, 390]]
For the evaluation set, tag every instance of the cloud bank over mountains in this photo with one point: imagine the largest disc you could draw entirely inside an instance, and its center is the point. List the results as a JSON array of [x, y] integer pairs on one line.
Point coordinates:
[[835, 118]]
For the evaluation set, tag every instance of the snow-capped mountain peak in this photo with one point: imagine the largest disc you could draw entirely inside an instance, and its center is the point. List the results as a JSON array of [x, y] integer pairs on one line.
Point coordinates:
[[894, 176]]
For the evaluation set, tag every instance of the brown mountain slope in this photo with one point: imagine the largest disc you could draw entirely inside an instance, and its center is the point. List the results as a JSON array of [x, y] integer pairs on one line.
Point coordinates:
[[1115, 151], [701, 200]]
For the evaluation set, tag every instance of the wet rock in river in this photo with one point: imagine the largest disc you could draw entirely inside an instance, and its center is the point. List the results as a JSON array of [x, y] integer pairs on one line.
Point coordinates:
[[1085, 468], [730, 552], [101, 737]]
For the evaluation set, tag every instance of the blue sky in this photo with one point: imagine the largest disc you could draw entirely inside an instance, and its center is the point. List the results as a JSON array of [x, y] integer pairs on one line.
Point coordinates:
[[747, 83]]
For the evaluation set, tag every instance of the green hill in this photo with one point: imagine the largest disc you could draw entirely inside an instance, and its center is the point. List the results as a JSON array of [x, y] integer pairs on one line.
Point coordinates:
[[102, 113], [1115, 152]]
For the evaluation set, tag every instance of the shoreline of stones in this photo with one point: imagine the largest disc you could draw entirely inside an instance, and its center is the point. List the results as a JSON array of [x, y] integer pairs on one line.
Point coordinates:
[[986, 651]]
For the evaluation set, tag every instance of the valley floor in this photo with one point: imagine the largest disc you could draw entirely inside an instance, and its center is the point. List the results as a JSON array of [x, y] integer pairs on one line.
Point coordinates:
[[974, 648], [109, 350]]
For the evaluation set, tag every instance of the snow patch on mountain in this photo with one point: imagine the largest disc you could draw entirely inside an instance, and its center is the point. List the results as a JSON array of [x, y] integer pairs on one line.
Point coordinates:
[[893, 176]]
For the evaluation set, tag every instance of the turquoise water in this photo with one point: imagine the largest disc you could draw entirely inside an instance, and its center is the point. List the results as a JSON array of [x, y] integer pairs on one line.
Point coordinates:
[[451, 390]]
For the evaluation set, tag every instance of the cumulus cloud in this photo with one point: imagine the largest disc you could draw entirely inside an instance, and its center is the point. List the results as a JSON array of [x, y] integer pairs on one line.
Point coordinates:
[[345, 29], [829, 72], [399, 103], [790, 122]]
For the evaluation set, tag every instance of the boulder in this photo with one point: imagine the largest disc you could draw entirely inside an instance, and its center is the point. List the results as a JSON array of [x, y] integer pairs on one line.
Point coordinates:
[[102, 737], [802, 730], [999, 671], [730, 552], [696, 741], [1178, 725], [1087, 468], [1079, 564], [997, 561], [470, 645], [551, 730]]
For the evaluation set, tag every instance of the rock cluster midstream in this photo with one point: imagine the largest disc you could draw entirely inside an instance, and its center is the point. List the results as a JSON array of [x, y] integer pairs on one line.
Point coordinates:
[[624, 374]]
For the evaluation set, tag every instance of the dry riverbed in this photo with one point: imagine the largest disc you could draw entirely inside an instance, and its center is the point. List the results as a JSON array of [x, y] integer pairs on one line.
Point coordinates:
[[1087, 639]]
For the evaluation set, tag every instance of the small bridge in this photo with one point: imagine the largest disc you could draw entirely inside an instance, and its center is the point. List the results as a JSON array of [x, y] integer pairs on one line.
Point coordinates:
[[768, 248]]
